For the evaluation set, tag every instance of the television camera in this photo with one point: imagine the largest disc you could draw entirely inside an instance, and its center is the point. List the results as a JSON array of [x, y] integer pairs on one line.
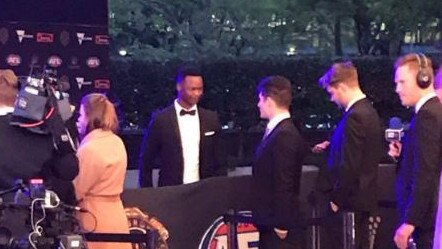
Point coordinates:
[[38, 219], [43, 106]]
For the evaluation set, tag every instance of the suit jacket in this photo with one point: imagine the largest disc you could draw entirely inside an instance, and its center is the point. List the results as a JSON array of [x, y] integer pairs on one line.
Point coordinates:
[[162, 145], [98, 186], [277, 169], [420, 165], [355, 152]]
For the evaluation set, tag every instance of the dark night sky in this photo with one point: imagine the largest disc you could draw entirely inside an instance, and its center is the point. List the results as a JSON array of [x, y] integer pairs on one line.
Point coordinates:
[[89, 12]]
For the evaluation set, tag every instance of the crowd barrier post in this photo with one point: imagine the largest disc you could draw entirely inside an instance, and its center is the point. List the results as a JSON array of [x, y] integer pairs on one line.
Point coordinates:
[[349, 230], [232, 233], [316, 233]]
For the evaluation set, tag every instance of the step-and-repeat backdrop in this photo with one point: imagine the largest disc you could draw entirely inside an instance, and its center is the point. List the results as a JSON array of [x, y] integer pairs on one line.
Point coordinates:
[[70, 37]]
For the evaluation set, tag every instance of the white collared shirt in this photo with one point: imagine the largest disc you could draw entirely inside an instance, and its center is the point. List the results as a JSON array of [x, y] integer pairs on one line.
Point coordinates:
[[189, 126], [424, 100], [353, 101], [276, 120], [4, 110]]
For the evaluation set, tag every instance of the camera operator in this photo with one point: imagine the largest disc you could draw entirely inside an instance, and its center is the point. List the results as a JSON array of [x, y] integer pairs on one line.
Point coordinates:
[[25, 154]]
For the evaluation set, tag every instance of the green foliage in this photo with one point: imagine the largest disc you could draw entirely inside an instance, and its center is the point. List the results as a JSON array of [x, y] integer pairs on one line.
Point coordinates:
[[201, 29]]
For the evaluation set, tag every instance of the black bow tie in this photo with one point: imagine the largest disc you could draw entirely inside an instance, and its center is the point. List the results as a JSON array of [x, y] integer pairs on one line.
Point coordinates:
[[184, 112]]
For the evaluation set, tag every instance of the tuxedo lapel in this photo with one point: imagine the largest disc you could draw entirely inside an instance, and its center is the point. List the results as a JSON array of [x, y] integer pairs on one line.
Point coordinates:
[[268, 137], [277, 127], [175, 129], [202, 119]]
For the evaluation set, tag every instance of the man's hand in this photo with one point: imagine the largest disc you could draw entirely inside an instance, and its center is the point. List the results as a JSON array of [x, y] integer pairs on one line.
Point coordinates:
[[334, 207], [321, 147], [403, 234], [395, 149], [282, 234]]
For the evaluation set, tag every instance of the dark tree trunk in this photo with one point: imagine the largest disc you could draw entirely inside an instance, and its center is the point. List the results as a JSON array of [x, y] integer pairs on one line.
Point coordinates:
[[337, 31], [362, 21]]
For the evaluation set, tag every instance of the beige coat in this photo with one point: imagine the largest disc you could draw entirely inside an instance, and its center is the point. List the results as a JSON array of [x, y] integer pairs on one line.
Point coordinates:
[[103, 162]]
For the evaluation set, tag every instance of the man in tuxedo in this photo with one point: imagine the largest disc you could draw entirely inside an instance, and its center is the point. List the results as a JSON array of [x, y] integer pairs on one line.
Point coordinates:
[[277, 168], [419, 169], [437, 241], [438, 83], [184, 139], [354, 153]]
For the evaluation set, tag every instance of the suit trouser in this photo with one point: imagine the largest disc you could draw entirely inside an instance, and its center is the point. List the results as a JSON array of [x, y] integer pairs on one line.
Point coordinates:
[[333, 235], [269, 240], [423, 238]]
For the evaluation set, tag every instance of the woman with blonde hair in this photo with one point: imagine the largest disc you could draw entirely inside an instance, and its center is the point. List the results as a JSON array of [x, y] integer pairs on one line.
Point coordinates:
[[103, 162]]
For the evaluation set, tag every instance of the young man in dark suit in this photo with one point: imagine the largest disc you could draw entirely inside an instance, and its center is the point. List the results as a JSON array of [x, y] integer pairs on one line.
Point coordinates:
[[277, 168], [354, 153], [183, 138], [420, 156]]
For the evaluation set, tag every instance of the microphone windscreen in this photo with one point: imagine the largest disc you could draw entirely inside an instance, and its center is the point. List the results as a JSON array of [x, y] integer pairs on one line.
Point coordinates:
[[395, 123]]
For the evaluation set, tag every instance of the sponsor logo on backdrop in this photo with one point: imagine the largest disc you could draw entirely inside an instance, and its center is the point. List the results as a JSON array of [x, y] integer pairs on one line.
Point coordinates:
[[93, 62], [74, 63], [64, 38], [82, 37], [54, 61], [102, 39], [45, 37], [4, 35], [21, 34], [102, 84], [81, 82], [216, 235], [13, 60]]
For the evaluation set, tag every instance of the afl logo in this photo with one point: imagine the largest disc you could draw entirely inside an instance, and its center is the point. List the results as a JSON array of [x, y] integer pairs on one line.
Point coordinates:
[[215, 236], [54, 61], [13, 60], [93, 62]]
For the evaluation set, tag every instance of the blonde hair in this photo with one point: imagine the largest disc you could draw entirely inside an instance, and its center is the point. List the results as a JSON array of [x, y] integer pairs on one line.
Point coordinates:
[[8, 87], [100, 113]]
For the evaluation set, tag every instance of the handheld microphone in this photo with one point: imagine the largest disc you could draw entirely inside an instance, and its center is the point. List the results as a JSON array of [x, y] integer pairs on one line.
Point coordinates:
[[395, 130]]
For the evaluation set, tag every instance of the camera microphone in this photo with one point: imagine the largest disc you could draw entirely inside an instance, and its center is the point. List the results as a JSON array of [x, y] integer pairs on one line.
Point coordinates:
[[72, 208], [53, 201], [19, 185]]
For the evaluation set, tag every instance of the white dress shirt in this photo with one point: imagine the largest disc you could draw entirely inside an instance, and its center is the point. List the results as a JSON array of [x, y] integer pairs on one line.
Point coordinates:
[[353, 101], [275, 121], [189, 126]]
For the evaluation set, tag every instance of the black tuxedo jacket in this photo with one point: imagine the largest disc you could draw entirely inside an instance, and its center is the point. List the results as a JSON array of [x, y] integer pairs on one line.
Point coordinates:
[[277, 169], [161, 147], [417, 182], [355, 152]]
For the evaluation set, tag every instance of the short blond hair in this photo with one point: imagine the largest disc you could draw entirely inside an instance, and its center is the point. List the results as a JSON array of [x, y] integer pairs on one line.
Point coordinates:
[[100, 113], [8, 87]]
